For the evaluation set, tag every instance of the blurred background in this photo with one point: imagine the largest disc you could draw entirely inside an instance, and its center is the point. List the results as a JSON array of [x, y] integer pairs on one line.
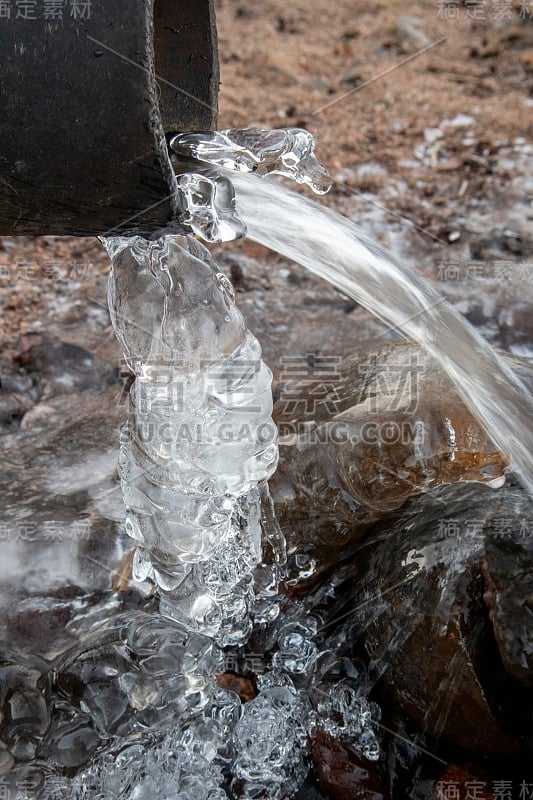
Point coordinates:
[[423, 114]]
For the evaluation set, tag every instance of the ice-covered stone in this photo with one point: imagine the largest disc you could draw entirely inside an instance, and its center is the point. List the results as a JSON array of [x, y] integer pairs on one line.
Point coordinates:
[[270, 745]]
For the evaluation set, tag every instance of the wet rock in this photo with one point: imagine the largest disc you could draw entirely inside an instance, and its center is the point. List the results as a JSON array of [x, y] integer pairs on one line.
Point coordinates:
[[343, 774], [309, 792], [59, 367], [418, 608], [18, 393], [15, 380], [508, 579], [12, 409], [361, 443]]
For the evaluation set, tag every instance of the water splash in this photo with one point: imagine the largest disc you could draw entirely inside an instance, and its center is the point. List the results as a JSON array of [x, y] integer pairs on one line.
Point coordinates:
[[336, 249]]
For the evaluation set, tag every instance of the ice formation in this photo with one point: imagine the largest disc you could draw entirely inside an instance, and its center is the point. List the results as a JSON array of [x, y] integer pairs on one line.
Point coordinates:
[[289, 152], [169, 733], [135, 710], [200, 442], [195, 457]]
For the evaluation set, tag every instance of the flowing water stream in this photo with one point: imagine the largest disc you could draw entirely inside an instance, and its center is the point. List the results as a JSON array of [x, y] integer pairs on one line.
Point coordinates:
[[336, 249]]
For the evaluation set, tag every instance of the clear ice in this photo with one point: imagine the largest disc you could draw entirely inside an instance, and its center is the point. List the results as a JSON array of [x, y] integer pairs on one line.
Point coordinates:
[[287, 151], [270, 745], [195, 458], [200, 440], [207, 205]]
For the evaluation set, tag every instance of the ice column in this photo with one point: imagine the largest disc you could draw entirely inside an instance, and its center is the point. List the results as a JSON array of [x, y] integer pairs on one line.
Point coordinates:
[[199, 442]]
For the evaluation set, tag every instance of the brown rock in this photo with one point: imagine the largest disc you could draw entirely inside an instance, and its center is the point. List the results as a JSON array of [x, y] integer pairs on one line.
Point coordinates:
[[343, 774], [419, 610], [463, 782], [361, 443], [244, 687], [508, 577]]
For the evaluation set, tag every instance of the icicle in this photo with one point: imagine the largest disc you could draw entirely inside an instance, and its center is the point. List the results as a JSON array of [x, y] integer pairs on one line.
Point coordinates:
[[200, 441]]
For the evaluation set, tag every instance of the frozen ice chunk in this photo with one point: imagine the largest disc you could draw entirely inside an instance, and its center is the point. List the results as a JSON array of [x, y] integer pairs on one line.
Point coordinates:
[[209, 207], [270, 745], [200, 440], [288, 152]]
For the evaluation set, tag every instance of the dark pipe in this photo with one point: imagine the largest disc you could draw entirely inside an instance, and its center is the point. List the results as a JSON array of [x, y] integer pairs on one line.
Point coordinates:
[[83, 116]]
